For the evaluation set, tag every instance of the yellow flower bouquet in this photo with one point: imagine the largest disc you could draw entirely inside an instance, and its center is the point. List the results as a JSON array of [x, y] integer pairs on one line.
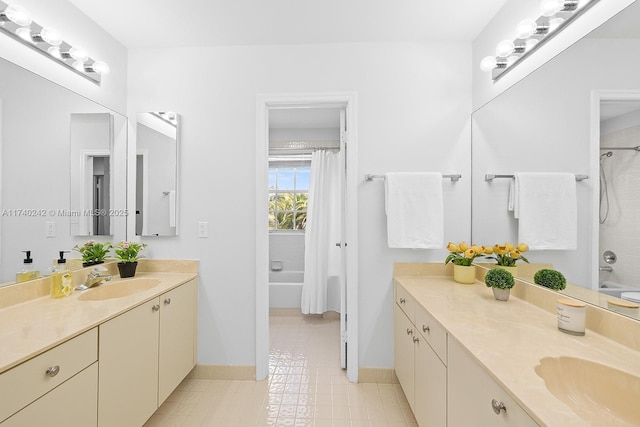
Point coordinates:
[[463, 254], [507, 254]]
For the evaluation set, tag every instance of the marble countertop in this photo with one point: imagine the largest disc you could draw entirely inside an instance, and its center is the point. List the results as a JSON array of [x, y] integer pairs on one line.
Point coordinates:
[[36, 325], [509, 339]]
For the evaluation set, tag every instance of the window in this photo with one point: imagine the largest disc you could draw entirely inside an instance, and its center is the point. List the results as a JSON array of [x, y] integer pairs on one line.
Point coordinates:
[[288, 195]]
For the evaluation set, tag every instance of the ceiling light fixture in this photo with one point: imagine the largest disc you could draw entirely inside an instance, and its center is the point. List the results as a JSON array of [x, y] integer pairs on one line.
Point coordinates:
[[16, 22], [531, 34]]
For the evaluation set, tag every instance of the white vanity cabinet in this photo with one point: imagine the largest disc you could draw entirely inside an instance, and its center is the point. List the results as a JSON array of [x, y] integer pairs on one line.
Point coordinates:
[[420, 370], [475, 399], [144, 354], [38, 391]]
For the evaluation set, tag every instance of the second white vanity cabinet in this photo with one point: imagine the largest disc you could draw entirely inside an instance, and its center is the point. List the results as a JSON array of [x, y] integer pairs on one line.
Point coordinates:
[[419, 368], [144, 354], [474, 398]]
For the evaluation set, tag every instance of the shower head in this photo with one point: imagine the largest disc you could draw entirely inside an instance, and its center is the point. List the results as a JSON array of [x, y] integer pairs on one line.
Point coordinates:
[[607, 154]]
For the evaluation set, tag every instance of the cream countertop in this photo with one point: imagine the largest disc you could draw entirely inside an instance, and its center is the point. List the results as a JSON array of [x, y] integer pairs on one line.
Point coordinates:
[[509, 339], [36, 325]]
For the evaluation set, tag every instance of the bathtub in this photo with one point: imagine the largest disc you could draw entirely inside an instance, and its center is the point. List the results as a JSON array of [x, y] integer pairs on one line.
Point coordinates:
[[285, 289], [615, 289]]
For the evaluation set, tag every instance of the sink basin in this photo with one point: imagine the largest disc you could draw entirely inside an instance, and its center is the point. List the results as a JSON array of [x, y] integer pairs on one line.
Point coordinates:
[[118, 289], [599, 393]]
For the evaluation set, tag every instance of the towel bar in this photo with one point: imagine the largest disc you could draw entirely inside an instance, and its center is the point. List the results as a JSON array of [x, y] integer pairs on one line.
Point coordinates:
[[491, 177], [452, 177]]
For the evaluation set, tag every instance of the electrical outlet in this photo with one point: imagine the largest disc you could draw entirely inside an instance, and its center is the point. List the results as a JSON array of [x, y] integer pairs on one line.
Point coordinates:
[[51, 229], [203, 229]]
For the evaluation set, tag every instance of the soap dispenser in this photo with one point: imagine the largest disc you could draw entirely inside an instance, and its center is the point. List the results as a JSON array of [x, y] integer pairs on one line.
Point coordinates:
[[27, 272], [61, 276]]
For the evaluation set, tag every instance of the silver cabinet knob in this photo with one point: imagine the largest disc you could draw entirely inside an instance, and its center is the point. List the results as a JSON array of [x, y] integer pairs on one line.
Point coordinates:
[[498, 407], [402, 300], [425, 328], [416, 339], [53, 371], [409, 331], [167, 301], [155, 307]]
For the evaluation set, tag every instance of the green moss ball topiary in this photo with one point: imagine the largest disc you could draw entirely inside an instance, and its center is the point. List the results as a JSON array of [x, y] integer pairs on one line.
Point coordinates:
[[551, 279], [499, 278]]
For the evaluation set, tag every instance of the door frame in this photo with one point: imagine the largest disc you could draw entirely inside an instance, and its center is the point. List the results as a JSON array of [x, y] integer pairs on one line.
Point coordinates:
[[265, 102]]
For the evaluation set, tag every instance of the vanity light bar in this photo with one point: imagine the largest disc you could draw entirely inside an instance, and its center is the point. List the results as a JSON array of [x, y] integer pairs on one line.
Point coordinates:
[[16, 23], [531, 34]]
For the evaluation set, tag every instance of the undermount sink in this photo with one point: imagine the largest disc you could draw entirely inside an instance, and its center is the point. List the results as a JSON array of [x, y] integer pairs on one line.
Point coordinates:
[[599, 393], [118, 289]]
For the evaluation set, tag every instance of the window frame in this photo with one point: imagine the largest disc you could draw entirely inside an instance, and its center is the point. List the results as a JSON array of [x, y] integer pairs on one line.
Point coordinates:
[[296, 165]]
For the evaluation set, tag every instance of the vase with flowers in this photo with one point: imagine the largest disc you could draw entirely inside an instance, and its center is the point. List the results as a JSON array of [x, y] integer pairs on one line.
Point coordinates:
[[461, 256], [128, 254], [506, 255], [93, 252]]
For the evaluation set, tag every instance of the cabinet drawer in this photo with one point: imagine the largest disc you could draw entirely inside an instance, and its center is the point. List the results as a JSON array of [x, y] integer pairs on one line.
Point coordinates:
[[432, 332], [35, 377], [405, 302]]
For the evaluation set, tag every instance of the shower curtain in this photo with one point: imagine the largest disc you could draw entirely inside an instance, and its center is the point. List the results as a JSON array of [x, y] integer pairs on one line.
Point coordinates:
[[321, 288]]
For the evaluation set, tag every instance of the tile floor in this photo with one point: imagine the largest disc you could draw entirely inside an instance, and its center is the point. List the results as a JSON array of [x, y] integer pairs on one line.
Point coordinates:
[[306, 387]]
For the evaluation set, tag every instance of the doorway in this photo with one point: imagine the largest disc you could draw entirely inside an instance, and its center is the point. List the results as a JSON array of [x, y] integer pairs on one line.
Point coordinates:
[[266, 105]]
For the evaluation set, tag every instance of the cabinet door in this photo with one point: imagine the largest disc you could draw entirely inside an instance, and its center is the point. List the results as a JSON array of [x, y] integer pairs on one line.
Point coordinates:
[[430, 386], [470, 391], [128, 359], [58, 408], [403, 353], [177, 337]]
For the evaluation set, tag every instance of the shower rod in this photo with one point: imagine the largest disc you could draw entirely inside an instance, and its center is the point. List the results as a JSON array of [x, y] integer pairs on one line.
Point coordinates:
[[636, 148]]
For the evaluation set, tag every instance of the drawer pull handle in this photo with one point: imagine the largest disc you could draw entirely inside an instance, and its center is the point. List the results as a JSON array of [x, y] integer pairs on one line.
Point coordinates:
[[53, 371], [425, 329], [402, 300], [416, 339], [409, 331], [155, 307], [167, 301], [498, 407]]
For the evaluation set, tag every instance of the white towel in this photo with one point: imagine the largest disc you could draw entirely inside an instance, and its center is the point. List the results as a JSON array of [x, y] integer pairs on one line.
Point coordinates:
[[547, 207], [414, 207]]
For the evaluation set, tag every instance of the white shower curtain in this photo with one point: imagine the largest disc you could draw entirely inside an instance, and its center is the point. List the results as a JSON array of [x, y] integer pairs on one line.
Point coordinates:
[[321, 290]]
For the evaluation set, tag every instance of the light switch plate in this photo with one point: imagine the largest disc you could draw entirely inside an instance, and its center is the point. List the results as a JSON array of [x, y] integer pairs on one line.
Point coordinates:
[[203, 229], [51, 229]]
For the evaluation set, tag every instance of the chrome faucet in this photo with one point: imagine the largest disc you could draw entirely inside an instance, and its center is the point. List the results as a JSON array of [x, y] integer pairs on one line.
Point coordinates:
[[94, 279]]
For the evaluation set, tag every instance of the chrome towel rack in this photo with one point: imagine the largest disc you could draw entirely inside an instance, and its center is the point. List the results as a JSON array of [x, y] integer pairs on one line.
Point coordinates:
[[490, 177], [452, 177]]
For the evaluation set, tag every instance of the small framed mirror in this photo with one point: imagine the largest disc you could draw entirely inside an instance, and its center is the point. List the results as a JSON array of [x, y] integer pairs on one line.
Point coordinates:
[[157, 173]]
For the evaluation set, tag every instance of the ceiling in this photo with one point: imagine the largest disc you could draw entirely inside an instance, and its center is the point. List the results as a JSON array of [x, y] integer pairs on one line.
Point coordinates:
[[164, 23]]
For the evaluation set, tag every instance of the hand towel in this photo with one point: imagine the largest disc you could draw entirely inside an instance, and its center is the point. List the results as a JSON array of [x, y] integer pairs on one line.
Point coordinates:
[[414, 207], [547, 208]]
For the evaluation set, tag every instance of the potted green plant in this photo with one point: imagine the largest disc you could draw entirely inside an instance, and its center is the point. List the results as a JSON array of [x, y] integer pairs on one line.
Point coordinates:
[[551, 279], [500, 281], [462, 256], [93, 252], [127, 254], [507, 254]]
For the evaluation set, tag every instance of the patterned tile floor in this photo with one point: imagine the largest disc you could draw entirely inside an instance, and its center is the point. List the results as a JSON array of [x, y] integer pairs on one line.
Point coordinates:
[[306, 387]]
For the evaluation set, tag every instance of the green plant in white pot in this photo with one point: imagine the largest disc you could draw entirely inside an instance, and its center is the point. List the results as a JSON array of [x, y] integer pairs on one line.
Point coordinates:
[[501, 282]]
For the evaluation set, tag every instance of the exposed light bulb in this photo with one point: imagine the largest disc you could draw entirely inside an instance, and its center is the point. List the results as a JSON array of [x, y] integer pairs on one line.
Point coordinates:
[[100, 67], [555, 23], [505, 48], [54, 51], [16, 14], [78, 54], [25, 34], [529, 44], [526, 29], [488, 63], [78, 65], [551, 7], [50, 36]]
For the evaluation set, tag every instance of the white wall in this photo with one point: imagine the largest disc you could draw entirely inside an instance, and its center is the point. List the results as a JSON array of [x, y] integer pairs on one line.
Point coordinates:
[[413, 115], [502, 27], [76, 29]]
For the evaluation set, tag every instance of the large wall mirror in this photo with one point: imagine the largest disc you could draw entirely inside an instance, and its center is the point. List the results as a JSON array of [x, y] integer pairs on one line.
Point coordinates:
[[63, 156], [157, 173], [548, 123]]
